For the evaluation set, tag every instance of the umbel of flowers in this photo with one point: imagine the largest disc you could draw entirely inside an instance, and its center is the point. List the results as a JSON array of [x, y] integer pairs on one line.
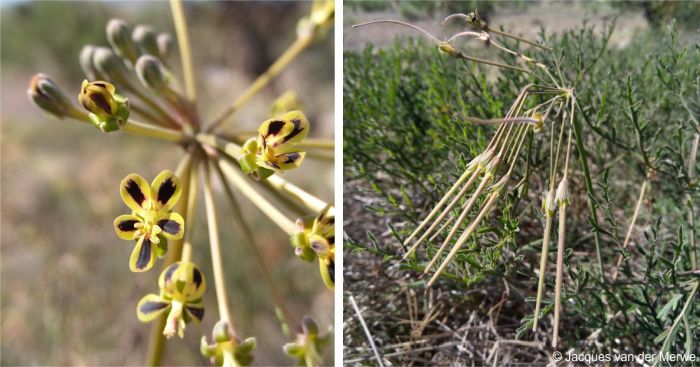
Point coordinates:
[[129, 88]]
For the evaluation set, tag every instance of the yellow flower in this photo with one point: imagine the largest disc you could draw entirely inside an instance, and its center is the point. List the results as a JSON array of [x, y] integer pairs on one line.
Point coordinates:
[[181, 288], [151, 218], [318, 240], [108, 110], [277, 141]]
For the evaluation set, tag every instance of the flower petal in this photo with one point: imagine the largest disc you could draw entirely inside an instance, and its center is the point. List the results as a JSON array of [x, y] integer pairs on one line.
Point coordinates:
[[195, 310], [285, 132], [135, 192], [124, 226], [150, 307], [166, 190], [173, 226], [143, 256], [291, 160], [327, 270]]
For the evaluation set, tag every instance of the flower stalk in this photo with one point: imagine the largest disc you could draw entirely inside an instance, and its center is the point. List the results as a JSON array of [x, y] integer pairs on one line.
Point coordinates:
[[216, 258], [183, 40]]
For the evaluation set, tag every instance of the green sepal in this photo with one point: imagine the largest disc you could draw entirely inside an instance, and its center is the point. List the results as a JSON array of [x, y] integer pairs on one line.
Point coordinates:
[[104, 124], [205, 349], [247, 163], [299, 239], [243, 352], [162, 247], [293, 349], [264, 173]]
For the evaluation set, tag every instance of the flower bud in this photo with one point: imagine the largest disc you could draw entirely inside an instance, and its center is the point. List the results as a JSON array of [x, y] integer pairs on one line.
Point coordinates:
[[151, 73], [182, 280], [227, 349], [549, 205], [108, 110], [288, 101], [248, 161], [86, 64], [319, 21], [165, 45], [145, 38], [309, 326], [492, 166], [563, 192], [109, 64], [48, 96], [448, 49], [540, 122], [119, 36]]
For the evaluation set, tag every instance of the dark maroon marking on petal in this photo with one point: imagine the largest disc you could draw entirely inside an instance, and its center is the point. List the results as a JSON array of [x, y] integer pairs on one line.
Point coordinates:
[[297, 130], [135, 192], [127, 225], [169, 271], [274, 127], [100, 100], [169, 226], [331, 270], [149, 307], [166, 190], [196, 312], [100, 84], [145, 254], [331, 240], [331, 221], [197, 277], [292, 157], [273, 165]]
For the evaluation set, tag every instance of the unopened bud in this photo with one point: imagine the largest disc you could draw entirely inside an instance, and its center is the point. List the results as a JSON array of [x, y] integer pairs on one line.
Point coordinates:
[[492, 166], [108, 110], [86, 64], [448, 49], [48, 96], [119, 36], [145, 38], [165, 44], [152, 73], [540, 122], [109, 64], [221, 333], [288, 101], [549, 205], [563, 192], [309, 326]]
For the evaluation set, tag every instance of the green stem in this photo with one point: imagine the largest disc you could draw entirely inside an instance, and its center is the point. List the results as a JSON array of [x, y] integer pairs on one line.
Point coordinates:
[[231, 149], [589, 187], [299, 45], [216, 258], [152, 131], [241, 182], [313, 203], [185, 53], [156, 338], [678, 319], [249, 239], [317, 143]]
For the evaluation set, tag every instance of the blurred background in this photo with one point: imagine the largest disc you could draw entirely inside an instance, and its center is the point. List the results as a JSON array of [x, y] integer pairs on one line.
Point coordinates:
[[68, 297]]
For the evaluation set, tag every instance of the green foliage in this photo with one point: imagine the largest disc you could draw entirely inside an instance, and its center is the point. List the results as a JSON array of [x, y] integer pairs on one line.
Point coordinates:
[[406, 143]]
